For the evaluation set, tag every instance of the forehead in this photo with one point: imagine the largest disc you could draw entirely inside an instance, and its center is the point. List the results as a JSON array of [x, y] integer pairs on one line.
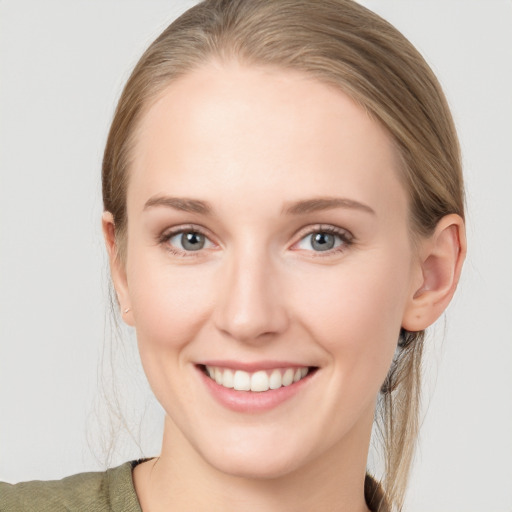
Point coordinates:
[[225, 128]]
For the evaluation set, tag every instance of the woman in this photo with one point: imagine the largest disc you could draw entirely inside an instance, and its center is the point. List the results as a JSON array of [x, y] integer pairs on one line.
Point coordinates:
[[284, 217]]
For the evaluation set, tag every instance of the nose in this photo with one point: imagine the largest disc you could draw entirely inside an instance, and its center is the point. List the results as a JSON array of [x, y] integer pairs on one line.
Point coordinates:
[[251, 305]]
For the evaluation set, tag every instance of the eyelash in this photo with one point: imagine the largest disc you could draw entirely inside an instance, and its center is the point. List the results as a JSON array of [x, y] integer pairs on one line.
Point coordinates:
[[164, 238], [345, 236]]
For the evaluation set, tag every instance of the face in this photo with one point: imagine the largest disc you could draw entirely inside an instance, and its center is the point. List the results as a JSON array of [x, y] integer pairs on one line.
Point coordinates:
[[267, 247]]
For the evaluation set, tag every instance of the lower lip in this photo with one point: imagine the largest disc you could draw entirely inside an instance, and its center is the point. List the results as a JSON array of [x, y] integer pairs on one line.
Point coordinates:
[[252, 401]]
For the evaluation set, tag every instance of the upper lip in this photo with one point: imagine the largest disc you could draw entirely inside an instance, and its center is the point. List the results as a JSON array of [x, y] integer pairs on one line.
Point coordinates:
[[253, 366]]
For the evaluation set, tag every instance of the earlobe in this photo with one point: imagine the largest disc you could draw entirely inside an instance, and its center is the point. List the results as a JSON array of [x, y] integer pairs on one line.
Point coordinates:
[[117, 267], [441, 259]]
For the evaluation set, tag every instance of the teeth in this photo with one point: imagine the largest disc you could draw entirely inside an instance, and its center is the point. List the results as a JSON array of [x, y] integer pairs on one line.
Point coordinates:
[[288, 377], [228, 379], [258, 381], [242, 381], [276, 380]]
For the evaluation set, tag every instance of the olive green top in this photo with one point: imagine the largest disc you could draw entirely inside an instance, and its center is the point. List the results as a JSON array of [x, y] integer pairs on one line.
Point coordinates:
[[108, 491]]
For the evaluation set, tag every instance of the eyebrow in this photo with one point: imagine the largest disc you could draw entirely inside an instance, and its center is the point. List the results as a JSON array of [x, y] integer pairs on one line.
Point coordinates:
[[324, 203], [180, 203], [295, 208]]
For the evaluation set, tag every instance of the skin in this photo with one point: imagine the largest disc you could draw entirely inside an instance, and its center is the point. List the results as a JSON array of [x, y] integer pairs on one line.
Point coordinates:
[[250, 142]]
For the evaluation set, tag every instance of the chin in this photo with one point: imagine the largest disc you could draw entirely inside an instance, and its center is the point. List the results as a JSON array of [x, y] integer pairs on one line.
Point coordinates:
[[260, 459], [256, 468]]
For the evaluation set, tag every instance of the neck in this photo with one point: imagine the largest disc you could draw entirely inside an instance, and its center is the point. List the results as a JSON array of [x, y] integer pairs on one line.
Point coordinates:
[[180, 479]]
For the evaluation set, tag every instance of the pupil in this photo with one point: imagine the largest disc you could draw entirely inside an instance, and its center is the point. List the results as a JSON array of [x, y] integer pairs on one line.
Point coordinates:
[[322, 241], [192, 241]]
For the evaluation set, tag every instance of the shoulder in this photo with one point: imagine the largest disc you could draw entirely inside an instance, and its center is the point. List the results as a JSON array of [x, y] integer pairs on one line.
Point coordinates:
[[108, 491]]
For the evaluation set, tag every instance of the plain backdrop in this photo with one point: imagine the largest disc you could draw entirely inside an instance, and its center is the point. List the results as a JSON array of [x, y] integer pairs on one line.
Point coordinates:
[[63, 64]]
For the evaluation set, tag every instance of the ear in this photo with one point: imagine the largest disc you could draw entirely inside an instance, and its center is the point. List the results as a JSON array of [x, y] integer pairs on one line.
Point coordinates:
[[440, 264], [117, 267]]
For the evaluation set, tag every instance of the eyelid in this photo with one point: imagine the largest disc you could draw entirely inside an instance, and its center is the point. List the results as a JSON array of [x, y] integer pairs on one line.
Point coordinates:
[[319, 228], [169, 233], [346, 236]]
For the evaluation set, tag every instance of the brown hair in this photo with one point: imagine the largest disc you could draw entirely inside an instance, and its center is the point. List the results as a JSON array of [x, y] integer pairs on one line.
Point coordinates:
[[345, 45]]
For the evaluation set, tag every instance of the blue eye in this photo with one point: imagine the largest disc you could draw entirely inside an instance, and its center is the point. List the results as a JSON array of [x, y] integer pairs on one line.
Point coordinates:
[[324, 240], [328, 240], [190, 241], [186, 241]]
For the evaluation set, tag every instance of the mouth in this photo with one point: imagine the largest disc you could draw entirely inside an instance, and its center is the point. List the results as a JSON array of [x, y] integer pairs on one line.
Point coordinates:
[[259, 381]]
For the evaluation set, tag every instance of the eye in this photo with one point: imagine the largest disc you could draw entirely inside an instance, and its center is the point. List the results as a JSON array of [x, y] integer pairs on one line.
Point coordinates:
[[186, 240], [325, 239]]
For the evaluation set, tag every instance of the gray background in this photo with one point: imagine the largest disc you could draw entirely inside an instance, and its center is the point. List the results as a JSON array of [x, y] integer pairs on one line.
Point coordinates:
[[63, 64]]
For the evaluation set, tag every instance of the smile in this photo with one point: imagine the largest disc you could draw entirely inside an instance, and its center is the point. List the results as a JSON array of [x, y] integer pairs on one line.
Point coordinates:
[[259, 381]]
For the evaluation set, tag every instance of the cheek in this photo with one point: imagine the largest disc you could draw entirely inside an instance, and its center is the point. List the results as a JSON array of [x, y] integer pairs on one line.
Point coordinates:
[[169, 302], [170, 305], [356, 314]]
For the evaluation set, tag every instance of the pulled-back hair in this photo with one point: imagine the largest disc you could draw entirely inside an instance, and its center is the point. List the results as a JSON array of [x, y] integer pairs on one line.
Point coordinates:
[[345, 45]]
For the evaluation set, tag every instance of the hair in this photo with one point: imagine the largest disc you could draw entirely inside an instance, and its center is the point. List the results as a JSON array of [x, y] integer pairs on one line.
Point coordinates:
[[341, 44]]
